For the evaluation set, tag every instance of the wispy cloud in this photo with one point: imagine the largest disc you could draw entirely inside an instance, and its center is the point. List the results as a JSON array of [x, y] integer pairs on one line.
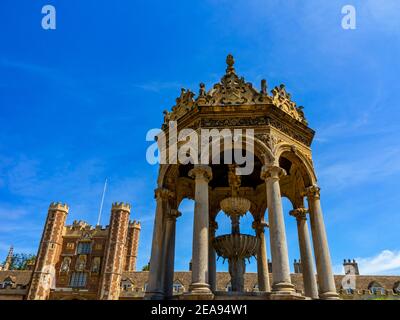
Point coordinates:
[[5, 246], [81, 88], [386, 262], [28, 67], [26, 176], [156, 86], [11, 213], [353, 169], [24, 228], [338, 269]]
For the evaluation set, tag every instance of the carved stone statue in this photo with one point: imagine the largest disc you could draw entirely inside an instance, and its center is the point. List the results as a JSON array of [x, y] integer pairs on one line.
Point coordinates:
[[96, 265], [202, 91], [80, 263], [167, 116], [230, 62], [65, 264], [264, 86]]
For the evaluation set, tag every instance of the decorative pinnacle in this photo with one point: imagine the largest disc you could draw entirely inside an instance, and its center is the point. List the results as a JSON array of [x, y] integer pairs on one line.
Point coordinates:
[[264, 88], [230, 62], [11, 252]]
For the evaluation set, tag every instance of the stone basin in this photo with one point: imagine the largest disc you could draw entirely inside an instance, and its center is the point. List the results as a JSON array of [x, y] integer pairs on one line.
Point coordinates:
[[237, 246], [235, 206]]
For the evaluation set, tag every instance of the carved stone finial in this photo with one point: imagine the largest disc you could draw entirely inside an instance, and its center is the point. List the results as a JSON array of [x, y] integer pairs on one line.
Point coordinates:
[[230, 62], [283, 100], [264, 86], [202, 97], [167, 116], [202, 91]]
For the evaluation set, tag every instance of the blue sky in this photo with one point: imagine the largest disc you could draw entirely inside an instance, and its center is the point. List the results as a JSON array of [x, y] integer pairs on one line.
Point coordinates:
[[76, 104]]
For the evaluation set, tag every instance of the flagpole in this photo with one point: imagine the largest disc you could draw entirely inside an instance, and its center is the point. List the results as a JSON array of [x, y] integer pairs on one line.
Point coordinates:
[[102, 201]]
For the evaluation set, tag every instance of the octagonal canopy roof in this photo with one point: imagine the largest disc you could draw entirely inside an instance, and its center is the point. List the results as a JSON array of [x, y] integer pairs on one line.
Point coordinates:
[[234, 90]]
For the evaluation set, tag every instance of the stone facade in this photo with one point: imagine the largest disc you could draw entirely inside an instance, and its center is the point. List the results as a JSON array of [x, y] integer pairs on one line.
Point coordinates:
[[132, 246], [116, 250], [78, 260], [49, 252]]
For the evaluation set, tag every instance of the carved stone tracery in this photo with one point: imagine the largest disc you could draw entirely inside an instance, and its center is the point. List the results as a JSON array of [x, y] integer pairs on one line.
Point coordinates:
[[282, 99], [233, 90]]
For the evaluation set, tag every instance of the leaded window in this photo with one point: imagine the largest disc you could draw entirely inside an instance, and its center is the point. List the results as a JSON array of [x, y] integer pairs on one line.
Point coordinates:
[[84, 248], [375, 288], [177, 287], [78, 280]]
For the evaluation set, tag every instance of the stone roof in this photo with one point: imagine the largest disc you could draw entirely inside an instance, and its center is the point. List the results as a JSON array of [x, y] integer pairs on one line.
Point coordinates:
[[21, 277], [139, 279]]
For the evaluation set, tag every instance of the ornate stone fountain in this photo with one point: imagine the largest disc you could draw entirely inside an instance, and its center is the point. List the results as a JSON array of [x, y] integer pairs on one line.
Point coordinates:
[[235, 247]]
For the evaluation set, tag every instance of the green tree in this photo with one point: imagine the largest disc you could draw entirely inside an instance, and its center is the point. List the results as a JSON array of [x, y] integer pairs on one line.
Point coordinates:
[[146, 267], [20, 261]]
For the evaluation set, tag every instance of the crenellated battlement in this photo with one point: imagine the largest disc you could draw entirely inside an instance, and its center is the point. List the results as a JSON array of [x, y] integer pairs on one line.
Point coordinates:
[[116, 206], [58, 206], [135, 224], [351, 267]]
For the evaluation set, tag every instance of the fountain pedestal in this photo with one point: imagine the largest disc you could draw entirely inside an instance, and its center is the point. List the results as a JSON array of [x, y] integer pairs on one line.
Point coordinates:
[[237, 269], [236, 248]]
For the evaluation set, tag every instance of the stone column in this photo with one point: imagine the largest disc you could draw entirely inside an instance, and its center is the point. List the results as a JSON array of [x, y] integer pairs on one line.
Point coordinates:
[[212, 266], [262, 265], [326, 282], [155, 289], [279, 253], [169, 251], [202, 175], [309, 281]]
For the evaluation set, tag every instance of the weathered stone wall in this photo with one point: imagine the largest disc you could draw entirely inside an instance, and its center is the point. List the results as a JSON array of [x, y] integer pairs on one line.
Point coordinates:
[[138, 281], [116, 250], [49, 252]]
